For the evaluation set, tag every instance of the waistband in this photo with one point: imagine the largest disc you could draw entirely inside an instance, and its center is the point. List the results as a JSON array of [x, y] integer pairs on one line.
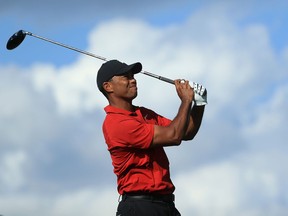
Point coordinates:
[[151, 197]]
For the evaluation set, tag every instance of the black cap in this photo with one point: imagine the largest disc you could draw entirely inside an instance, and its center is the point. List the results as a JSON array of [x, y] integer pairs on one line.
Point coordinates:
[[115, 68]]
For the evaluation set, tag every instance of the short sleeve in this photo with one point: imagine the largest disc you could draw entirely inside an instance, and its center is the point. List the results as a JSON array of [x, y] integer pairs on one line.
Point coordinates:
[[128, 132]]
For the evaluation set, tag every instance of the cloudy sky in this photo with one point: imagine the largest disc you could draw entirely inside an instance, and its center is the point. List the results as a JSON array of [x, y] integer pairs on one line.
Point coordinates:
[[53, 158]]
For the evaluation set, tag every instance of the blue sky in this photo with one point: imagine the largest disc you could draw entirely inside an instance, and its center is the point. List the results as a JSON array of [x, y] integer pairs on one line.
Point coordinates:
[[53, 156]]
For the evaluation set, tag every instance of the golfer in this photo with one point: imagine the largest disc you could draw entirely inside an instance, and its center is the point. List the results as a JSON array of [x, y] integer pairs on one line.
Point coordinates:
[[136, 137]]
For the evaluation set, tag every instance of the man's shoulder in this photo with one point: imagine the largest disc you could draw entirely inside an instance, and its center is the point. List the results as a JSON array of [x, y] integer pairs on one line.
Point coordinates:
[[146, 110]]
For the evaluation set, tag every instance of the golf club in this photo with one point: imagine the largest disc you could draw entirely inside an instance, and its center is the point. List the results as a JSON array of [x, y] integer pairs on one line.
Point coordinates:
[[16, 39]]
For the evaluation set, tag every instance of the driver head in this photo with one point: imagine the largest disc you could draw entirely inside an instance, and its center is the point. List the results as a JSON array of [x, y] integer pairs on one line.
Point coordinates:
[[15, 40]]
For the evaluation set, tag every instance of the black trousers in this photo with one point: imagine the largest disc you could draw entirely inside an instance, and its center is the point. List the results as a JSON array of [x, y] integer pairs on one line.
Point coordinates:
[[143, 207]]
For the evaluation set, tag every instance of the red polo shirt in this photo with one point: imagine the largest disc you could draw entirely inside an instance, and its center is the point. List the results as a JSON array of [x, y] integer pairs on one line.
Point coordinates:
[[138, 167]]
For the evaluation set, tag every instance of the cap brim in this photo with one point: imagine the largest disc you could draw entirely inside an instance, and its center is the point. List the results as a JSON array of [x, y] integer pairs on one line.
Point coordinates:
[[134, 68]]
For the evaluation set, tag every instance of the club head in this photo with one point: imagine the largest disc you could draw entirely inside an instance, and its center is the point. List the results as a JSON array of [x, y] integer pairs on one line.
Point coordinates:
[[15, 40]]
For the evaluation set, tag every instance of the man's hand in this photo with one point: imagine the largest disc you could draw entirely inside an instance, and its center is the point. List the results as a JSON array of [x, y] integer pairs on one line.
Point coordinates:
[[200, 94], [184, 90]]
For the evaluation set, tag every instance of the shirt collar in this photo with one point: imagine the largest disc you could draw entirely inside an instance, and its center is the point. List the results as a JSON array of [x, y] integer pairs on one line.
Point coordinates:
[[111, 109]]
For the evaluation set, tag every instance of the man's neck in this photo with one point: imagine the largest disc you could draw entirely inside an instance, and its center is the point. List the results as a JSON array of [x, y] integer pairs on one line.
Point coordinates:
[[123, 105]]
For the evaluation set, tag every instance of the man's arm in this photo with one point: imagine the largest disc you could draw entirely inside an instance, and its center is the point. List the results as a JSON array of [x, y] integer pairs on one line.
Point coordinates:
[[174, 133], [200, 100], [195, 121]]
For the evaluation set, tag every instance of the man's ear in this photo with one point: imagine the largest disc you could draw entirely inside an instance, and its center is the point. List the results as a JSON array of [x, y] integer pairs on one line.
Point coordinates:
[[107, 86]]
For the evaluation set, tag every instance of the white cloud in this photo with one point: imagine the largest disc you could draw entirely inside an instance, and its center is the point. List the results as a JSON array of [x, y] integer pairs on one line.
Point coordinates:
[[267, 127], [238, 186], [91, 201], [11, 166], [73, 87], [88, 201]]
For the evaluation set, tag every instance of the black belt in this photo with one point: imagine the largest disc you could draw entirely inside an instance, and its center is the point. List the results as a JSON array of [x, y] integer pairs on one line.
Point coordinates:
[[163, 198]]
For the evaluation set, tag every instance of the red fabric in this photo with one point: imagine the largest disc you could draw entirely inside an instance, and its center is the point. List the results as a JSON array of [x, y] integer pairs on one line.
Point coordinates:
[[138, 167]]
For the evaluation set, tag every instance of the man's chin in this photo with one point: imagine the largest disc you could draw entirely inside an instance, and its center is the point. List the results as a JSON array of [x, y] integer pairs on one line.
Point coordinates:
[[134, 96]]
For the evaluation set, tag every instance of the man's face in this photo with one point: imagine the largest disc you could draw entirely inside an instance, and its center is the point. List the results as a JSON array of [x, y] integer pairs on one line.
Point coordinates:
[[124, 86]]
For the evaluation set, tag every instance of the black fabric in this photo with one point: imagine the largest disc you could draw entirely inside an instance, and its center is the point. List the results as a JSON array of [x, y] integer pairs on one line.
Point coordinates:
[[164, 198], [131, 206]]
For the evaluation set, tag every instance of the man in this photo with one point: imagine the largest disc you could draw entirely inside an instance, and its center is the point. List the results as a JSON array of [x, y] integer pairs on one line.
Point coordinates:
[[136, 136]]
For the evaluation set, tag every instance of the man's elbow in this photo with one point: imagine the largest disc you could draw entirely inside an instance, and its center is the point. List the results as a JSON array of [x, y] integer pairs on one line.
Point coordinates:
[[176, 138], [177, 142], [189, 136]]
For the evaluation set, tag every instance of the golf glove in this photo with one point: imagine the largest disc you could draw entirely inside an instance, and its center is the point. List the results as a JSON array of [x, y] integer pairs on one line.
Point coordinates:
[[200, 94]]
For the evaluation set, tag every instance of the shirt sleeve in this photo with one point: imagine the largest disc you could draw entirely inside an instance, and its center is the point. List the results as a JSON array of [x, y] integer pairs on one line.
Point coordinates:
[[128, 133], [156, 118], [163, 121]]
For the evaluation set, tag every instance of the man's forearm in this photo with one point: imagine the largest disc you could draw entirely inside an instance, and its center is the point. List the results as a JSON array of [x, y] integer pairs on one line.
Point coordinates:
[[196, 116], [180, 122], [173, 134]]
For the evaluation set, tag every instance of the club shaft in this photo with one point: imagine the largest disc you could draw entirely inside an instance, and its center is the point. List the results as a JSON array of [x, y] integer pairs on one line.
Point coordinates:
[[97, 56], [66, 46], [158, 77]]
